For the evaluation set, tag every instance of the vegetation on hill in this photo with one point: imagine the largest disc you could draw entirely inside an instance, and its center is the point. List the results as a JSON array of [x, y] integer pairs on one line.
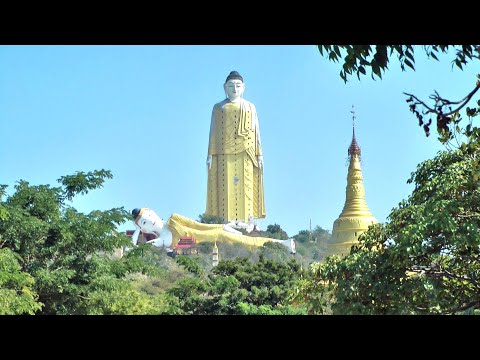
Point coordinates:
[[424, 260], [56, 260], [238, 287]]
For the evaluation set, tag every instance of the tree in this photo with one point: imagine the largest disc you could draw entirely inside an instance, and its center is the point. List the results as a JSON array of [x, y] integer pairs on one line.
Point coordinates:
[[109, 295], [132, 285], [190, 264], [303, 236], [275, 251], [312, 245], [17, 295], [210, 219], [239, 286], [275, 231], [358, 58], [425, 260], [3, 210], [57, 245]]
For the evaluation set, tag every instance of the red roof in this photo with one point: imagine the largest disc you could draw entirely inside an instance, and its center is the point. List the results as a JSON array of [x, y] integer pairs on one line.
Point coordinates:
[[187, 240], [180, 246]]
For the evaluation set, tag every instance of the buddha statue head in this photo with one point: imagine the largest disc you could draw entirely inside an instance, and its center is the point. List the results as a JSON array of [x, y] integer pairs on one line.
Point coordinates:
[[147, 220], [234, 86]]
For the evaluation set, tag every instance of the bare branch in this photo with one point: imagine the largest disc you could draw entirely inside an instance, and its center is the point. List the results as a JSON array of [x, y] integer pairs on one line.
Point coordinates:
[[445, 102], [420, 102]]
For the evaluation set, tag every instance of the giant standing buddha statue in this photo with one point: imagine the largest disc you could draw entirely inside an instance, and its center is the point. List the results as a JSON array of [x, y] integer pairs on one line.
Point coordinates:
[[235, 161], [355, 217]]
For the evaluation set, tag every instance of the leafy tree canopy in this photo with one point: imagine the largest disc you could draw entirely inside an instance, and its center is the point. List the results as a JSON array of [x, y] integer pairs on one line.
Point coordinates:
[[239, 286], [17, 295], [210, 219], [444, 113], [358, 58], [57, 245], [425, 260]]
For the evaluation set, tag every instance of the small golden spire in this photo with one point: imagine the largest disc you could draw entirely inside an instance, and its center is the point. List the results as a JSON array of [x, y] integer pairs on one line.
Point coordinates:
[[354, 149], [353, 118]]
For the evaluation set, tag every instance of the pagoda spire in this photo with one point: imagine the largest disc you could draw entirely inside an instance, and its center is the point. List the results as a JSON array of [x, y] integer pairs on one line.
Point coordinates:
[[354, 149], [355, 217], [215, 258]]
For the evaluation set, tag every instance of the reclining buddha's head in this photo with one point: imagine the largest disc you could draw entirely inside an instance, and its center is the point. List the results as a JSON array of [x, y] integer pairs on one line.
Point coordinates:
[[147, 220]]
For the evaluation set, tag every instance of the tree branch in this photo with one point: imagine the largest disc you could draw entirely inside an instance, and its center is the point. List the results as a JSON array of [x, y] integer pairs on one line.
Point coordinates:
[[420, 102], [474, 304], [446, 102], [443, 273]]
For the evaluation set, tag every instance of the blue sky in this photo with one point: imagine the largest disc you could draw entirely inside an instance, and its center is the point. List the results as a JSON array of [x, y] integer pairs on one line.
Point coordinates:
[[143, 112]]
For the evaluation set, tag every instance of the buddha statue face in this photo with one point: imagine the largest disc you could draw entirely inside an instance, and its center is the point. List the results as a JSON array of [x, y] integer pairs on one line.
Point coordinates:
[[149, 222], [234, 89]]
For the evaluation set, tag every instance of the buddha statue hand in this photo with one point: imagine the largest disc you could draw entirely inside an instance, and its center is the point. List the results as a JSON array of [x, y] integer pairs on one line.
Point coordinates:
[[260, 161], [156, 242], [209, 162]]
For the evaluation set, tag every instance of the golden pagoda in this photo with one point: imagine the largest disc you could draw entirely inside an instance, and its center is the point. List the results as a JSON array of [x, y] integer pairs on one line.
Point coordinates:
[[355, 217]]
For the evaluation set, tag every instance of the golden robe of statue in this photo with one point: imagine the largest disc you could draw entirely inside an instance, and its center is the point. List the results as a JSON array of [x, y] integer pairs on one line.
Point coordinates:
[[235, 178], [167, 233], [182, 226]]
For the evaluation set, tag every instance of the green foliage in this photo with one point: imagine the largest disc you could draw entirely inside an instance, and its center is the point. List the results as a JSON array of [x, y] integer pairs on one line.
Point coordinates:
[[249, 309], [227, 251], [153, 285], [82, 182], [302, 237], [235, 250], [210, 219], [274, 232], [274, 228], [312, 247], [3, 213], [444, 113], [57, 244], [448, 121], [16, 287], [135, 284], [205, 247], [3, 210], [425, 260], [64, 263], [3, 191], [191, 264], [314, 292], [275, 251], [239, 287], [111, 296], [142, 259], [190, 295], [358, 58]]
